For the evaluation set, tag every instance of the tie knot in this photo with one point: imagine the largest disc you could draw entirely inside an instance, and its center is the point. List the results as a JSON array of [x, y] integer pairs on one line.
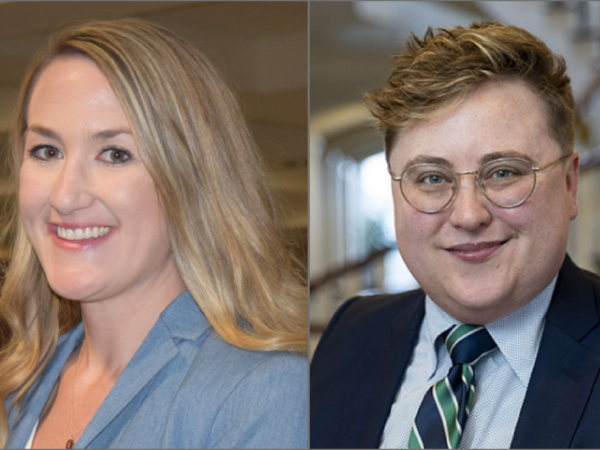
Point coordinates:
[[467, 344]]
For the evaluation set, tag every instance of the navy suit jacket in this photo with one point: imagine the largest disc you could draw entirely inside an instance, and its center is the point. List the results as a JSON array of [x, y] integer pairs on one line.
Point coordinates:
[[362, 356], [186, 388]]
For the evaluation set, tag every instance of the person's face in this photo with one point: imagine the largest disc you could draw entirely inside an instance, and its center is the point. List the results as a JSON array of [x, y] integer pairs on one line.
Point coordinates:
[[477, 261], [88, 203]]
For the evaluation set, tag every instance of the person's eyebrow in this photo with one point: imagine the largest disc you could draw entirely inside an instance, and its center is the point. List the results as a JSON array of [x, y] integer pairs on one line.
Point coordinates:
[[426, 159], [109, 134], [99, 136], [45, 132], [503, 154]]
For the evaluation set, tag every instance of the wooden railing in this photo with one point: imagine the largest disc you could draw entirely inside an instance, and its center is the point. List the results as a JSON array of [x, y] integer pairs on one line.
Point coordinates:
[[336, 285], [318, 282]]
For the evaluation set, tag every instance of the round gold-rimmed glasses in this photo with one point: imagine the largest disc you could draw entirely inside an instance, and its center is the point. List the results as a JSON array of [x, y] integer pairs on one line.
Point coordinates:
[[506, 182]]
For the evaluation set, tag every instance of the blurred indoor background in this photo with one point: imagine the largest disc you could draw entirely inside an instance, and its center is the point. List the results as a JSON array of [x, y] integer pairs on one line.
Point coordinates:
[[260, 47], [352, 247]]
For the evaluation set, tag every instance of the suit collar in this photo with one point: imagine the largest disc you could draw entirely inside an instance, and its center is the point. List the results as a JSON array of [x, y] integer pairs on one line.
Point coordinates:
[[381, 369], [566, 368], [157, 350], [182, 319], [573, 309], [22, 424]]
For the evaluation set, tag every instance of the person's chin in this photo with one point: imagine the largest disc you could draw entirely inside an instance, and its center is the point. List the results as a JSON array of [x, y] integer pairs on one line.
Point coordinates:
[[77, 287], [476, 310]]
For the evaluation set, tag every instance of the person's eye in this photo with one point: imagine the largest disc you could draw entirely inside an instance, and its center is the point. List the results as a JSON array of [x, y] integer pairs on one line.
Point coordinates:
[[505, 170], [503, 173], [433, 178], [115, 155], [45, 153]]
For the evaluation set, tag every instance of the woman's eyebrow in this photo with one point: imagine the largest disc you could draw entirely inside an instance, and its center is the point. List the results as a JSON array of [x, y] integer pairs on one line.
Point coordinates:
[[42, 131], [108, 134], [99, 136]]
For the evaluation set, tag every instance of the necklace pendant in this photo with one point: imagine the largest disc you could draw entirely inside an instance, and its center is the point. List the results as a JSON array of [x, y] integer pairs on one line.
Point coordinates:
[[70, 443]]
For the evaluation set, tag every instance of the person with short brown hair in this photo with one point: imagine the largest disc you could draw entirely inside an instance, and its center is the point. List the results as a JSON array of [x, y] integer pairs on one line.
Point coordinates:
[[500, 347]]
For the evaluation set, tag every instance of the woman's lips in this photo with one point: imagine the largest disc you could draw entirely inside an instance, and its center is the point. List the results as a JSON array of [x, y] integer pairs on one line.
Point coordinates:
[[475, 251], [81, 244]]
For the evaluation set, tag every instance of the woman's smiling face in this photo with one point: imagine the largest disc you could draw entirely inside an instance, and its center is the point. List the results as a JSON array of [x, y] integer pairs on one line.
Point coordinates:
[[88, 202]]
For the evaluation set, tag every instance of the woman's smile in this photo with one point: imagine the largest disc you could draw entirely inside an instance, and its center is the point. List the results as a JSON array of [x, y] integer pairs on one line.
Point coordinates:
[[71, 237]]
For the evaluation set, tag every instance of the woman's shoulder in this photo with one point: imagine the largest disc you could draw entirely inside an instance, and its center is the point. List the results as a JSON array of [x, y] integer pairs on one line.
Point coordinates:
[[236, 398], [229, 365]]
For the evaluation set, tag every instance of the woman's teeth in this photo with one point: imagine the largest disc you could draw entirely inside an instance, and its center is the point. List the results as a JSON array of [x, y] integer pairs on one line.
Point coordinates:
[[79, 234]]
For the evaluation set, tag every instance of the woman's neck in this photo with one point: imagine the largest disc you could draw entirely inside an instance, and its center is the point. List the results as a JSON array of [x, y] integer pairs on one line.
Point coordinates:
[[116, 327]]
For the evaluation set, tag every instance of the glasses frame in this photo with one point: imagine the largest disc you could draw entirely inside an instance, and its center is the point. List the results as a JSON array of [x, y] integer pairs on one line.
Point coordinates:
[[478, 181]]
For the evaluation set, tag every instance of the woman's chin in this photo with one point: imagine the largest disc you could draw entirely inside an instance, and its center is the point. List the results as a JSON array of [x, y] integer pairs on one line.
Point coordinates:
[[79, 290]]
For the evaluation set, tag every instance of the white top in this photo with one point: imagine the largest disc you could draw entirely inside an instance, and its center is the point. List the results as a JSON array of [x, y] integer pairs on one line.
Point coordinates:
[[502, 377], [30, 441]]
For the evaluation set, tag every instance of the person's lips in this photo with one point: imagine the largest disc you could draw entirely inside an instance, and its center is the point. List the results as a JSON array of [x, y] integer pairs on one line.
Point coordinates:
[[475, 251], [79, 236]]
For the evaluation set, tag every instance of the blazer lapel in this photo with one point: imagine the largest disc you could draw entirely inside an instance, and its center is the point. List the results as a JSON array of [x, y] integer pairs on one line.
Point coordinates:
[[565, 369], [181, 320], [154, 354], [373, 384], [22, 424]]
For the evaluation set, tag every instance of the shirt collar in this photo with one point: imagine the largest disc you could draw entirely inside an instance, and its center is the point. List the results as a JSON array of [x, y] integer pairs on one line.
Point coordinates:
[[517, 335]]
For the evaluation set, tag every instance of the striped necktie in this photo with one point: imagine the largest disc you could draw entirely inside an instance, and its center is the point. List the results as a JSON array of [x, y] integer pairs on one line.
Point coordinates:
[[443, 413]]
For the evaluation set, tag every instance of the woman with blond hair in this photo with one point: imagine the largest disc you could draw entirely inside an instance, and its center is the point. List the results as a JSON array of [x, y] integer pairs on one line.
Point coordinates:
[[150, 301]]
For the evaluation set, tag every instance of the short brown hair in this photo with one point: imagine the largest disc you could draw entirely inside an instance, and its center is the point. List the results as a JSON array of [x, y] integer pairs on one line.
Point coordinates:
[[442, 68]]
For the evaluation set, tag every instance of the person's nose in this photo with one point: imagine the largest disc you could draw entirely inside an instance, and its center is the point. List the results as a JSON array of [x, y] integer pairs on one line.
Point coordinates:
[[72, 189], [470, 207]]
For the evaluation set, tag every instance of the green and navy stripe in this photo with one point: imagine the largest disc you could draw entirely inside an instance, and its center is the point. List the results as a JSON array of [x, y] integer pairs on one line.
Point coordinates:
[[443, 414]]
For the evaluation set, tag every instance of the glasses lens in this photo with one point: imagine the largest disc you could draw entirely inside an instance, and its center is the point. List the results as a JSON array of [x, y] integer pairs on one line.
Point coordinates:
[[507, 182], [427, 187]]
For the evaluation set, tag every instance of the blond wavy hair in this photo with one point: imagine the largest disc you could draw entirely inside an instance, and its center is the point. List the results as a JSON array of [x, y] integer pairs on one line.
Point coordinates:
[[441, 69], [221, 217]]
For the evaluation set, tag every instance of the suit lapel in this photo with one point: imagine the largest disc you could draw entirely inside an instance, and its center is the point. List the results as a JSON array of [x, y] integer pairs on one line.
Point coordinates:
[[182, 319], [565, 369], [22, 425], [380, 372], [157, 350]]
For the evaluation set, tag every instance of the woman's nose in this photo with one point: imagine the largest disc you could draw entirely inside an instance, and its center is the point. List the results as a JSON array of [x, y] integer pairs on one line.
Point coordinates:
[[469, 209], [72, 189]]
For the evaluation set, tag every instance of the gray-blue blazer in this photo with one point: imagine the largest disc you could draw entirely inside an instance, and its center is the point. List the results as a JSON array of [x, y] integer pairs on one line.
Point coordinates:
[[186, 388]]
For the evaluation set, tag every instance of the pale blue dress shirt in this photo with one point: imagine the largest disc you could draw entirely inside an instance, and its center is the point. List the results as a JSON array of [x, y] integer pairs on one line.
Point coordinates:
[[501, 378]]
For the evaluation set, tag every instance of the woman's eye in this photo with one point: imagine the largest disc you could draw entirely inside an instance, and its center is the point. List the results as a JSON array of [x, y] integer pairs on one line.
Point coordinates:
[[115, 156], [44, 152]]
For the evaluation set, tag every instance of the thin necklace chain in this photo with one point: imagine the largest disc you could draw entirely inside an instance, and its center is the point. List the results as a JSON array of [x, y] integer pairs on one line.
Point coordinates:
[[72, 437]]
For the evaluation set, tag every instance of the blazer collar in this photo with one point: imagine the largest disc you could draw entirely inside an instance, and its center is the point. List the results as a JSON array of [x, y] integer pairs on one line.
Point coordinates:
[[21, 424], [181, 320], [381, 369], [566, 366]]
